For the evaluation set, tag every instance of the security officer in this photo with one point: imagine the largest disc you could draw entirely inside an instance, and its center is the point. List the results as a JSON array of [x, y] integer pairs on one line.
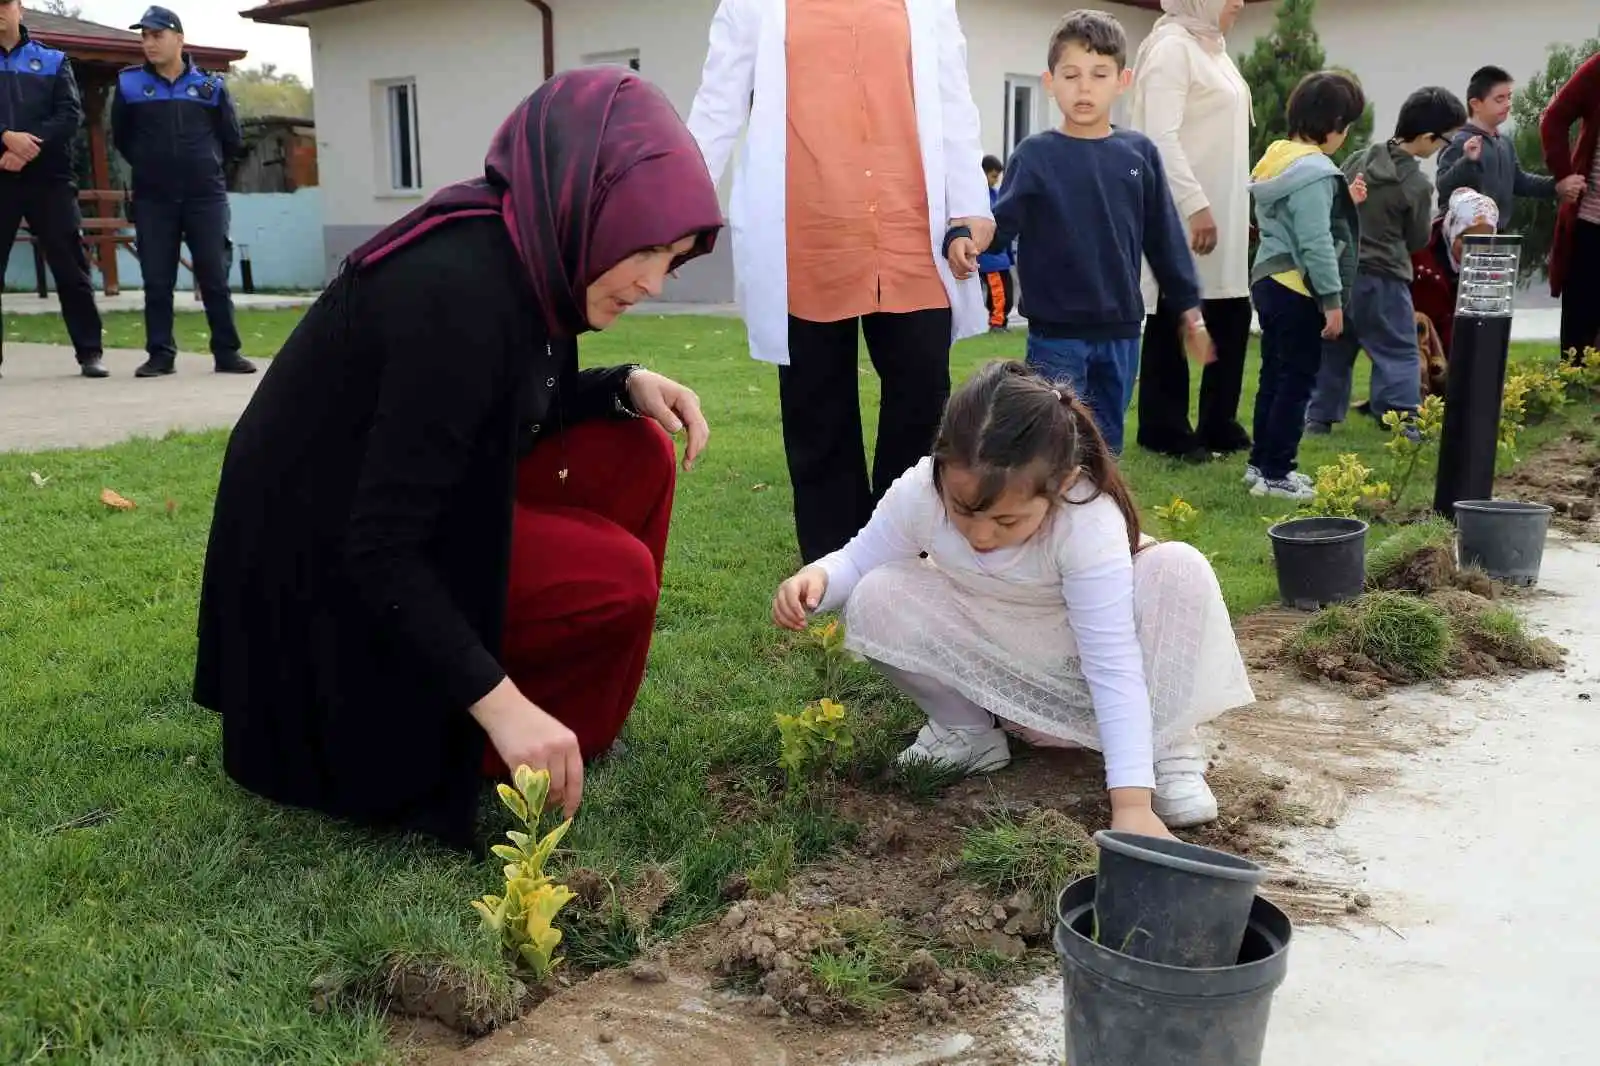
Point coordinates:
[[175, 125], [39, 119]]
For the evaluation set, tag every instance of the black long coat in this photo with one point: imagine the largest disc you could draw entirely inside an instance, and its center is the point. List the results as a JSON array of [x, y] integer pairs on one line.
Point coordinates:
[[355, 580]]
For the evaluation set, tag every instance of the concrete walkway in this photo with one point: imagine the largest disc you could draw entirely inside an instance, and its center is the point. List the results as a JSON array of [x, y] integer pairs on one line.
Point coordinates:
[[1480, 859], [46, 403]]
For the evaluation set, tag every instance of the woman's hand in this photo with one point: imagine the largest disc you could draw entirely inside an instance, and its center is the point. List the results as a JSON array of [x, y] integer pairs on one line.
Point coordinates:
[[524, 735], [675, 406], [1197, 342], [1131, 813], [1203, 232], [798, 597], [982, 230]]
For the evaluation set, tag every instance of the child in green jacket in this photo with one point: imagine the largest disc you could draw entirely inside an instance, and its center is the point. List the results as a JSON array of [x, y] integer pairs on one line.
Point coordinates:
[[1304, 270]]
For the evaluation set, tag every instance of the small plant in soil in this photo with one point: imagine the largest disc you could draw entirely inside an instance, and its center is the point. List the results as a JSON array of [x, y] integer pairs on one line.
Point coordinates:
[[1410, 440], [1178, 520], [1040, 855], [816, 740], [1345, 488], [524, 918]]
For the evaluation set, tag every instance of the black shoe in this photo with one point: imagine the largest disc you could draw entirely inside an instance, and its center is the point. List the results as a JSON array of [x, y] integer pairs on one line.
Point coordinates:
[[234, 364], [1228, 441], [93, 367], [156, 367]]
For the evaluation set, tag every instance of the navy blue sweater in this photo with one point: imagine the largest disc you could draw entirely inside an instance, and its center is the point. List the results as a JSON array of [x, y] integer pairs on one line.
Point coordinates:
[[1086, 211]]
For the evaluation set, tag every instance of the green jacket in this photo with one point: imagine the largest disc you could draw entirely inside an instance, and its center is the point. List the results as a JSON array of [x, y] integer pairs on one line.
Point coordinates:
[[1307, 221], [1397, 217]]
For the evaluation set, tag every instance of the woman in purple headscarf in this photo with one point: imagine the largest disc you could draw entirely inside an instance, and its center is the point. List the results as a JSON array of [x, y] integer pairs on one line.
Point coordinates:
[[438, 543]]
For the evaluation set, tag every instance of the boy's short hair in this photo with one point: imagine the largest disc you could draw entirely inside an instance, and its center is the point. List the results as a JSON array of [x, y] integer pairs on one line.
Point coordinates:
[[1485, 80], [992, 165], [1097, 31], [1432, 110], [1323, 104]]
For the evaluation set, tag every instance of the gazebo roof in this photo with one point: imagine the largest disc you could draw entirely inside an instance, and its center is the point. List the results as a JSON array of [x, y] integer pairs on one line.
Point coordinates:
[[94, 42]]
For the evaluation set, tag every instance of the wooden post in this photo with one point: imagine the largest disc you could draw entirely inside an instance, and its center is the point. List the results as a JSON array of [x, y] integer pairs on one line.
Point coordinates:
[[95, 93]]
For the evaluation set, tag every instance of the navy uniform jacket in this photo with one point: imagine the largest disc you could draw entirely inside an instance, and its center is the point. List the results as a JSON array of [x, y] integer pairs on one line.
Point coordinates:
[[176, 135], [39, 95]]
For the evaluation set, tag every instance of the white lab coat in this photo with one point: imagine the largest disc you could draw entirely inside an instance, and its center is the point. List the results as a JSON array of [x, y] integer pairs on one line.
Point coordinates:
[[748, 54]]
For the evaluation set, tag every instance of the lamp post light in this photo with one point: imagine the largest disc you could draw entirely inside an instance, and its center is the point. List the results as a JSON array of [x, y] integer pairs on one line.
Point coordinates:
[[1479, 350]]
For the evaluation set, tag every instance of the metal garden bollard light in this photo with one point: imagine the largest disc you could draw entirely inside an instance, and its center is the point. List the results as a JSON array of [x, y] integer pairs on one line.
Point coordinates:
[[1479, 350]]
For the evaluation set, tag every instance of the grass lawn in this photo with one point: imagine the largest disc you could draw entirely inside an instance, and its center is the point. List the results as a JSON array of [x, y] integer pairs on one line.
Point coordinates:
[[263, 332], [151, 912]]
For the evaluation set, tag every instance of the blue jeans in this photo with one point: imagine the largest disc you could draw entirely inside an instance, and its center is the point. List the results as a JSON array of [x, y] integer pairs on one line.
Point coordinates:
[[1291, 355], [1102, 373], [1383, 322]]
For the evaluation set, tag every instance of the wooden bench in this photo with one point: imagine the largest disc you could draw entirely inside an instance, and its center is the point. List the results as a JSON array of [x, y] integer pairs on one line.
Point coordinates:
[[106, 227]]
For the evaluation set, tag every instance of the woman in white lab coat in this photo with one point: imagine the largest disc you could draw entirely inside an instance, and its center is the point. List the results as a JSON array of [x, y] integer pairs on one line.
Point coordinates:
[[862, 150], [1189, 98]]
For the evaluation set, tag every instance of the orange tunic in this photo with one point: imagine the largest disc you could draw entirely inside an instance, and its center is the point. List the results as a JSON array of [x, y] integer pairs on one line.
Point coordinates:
[[858, 230]]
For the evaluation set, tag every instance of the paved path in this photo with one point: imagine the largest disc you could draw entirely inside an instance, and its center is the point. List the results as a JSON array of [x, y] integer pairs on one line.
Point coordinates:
[[45, 403]]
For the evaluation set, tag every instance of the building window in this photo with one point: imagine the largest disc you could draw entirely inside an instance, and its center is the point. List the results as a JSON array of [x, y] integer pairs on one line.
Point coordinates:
[[627, 57], [405, 142], [1024, 109]]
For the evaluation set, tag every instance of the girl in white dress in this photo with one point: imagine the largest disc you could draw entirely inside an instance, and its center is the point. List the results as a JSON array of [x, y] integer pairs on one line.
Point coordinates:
[[1038, 602]]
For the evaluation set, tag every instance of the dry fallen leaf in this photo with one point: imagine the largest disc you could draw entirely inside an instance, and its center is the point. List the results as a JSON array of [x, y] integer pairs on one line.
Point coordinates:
[[172, 506], [759, 486], [112, 499], [39, 480]]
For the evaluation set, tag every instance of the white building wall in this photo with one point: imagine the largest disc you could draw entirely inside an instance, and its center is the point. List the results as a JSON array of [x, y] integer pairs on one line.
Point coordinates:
[[472, 68], [470, 71]]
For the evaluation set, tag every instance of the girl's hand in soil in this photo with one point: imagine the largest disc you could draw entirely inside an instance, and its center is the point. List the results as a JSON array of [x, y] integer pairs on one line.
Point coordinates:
[[1131, 813], [798, 597]]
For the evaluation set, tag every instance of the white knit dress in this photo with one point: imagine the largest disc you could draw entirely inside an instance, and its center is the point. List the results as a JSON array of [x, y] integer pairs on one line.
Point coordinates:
[[997, 627]]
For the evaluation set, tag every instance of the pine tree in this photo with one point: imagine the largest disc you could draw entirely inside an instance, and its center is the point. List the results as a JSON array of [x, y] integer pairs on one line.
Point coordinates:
[[1275, 66], [1535, 219]]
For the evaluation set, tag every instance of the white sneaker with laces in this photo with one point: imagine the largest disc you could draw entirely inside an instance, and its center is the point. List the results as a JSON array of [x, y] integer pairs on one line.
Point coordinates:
[[1252, 477], [977, 751], [1283, 489], [1183, 799]]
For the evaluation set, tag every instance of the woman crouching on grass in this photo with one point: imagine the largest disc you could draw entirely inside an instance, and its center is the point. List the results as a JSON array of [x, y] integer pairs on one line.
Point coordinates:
[[1039, 603]]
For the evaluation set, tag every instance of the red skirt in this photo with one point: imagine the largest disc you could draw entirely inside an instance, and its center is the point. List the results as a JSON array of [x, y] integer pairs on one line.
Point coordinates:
[[587, 555]]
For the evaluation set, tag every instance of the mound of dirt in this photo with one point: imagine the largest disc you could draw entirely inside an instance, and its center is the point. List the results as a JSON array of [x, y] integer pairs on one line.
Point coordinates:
[[1566, 475]]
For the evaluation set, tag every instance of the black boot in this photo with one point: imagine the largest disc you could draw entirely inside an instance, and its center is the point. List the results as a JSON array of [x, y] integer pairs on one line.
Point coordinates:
[[234, 364], [157, 366], [93, 367]]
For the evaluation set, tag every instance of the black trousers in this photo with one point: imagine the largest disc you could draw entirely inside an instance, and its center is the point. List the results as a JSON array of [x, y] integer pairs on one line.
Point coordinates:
[[1164, 381], [162, 227], [820, 397], [1580, 295], [51, 210]]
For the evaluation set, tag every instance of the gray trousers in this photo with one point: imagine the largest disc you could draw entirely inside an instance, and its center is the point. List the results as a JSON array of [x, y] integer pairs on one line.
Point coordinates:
[[1380, 320]]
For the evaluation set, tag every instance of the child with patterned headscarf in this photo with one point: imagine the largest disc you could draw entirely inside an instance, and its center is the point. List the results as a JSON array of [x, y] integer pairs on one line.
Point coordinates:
[[1437, 267]]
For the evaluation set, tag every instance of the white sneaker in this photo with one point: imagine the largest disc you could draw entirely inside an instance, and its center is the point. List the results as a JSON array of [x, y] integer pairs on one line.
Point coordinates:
[[1183, 799], [977, 751], [1283, 489], [1252, 477]]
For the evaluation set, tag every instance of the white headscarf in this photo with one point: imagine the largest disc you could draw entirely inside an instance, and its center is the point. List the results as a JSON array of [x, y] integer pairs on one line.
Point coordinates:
[[1201, 19], [1466, 207]]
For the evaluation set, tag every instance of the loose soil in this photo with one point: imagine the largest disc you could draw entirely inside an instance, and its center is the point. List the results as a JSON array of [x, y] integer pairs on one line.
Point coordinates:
[[1566, 475], [938, 950]]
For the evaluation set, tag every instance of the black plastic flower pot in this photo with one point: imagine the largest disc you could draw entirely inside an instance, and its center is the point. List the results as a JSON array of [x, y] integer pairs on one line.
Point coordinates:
[[1174, 903], [1122, 1011], [1319, 560], [1505, 538]]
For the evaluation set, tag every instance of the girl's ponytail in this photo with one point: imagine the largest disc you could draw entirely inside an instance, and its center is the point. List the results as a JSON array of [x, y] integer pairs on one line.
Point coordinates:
[[1097, 461]]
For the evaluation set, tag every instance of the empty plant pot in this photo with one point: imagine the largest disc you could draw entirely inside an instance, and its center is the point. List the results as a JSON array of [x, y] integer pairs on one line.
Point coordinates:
[[1170, 902], [1122, 1011], [1319, 560], [1505, 538]]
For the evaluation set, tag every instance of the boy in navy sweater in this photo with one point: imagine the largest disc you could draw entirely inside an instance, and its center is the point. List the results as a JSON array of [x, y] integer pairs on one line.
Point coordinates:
[[1088, 202]]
